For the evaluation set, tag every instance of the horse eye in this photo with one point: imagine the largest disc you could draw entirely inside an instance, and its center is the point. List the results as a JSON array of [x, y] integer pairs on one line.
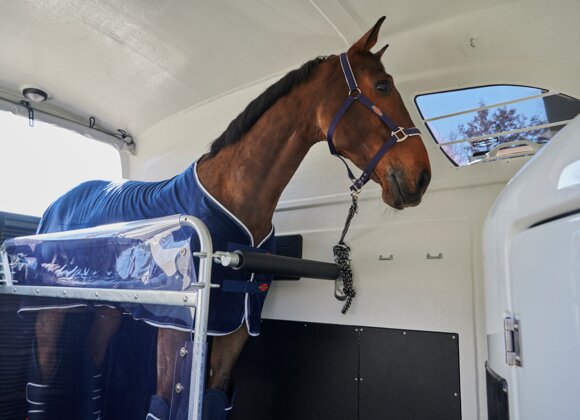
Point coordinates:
[[383, 87]]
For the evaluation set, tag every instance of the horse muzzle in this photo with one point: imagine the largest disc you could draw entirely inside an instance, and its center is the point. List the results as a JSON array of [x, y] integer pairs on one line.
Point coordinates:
[[402, 191]]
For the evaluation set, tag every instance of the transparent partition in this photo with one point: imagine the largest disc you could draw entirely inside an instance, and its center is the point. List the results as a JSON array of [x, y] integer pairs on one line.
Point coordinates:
[[133, 255], [80, 314]]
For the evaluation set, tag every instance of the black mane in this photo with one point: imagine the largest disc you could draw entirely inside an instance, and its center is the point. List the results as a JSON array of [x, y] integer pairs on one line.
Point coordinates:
[[248, 117]]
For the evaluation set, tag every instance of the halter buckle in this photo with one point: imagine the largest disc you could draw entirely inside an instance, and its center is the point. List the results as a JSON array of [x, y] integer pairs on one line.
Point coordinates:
[[355, 93], [400, 134]]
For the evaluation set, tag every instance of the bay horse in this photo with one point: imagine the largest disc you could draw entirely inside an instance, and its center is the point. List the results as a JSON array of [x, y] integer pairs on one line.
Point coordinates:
[[244, 173]]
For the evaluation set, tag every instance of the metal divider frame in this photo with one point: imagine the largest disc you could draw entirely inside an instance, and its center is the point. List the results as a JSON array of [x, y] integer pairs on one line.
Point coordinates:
[[196, 298]]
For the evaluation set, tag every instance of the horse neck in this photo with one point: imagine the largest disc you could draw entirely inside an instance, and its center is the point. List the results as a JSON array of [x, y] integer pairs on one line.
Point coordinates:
[[249, 176]]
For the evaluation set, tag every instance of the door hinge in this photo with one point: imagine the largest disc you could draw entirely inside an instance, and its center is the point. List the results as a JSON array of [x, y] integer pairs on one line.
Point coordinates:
[[511, 326]]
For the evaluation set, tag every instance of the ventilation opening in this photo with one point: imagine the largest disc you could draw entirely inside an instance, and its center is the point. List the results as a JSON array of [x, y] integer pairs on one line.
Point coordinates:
[[490, 123]]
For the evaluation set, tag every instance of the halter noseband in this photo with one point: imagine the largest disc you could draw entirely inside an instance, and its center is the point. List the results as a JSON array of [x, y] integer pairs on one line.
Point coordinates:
[[398, 134]]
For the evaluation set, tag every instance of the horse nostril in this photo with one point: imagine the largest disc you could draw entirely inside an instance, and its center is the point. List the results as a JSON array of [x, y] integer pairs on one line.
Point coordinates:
[[423, 181]]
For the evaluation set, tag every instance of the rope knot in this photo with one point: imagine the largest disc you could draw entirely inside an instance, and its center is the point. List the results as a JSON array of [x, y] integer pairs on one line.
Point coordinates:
[[342, 259]]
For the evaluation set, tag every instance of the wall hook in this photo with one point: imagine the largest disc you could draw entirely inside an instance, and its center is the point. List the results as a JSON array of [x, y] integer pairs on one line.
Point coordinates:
[[435, 257], [383, 258]]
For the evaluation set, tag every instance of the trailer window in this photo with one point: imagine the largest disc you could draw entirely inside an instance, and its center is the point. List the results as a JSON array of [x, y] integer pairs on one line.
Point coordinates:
[[40, 163], [488, 123]]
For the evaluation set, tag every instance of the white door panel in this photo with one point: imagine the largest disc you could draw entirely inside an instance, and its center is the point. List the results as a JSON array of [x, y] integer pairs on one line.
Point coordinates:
[[545, 275]]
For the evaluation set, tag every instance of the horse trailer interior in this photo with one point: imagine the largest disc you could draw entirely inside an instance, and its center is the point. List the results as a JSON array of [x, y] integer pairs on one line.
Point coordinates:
[[437, 276]]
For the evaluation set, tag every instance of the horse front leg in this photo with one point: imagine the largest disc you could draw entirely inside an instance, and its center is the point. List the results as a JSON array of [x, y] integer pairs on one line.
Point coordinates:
[[105, 325], [218, 398], [168, 343], [225, 352], [224, 355]]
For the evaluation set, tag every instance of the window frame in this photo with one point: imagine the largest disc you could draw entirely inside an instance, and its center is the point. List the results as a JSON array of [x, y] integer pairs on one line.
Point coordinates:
[[544, 93]]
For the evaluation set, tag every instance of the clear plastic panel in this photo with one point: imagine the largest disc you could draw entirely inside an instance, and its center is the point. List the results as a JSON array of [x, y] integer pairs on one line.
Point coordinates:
[[150, 254], [102, 363]]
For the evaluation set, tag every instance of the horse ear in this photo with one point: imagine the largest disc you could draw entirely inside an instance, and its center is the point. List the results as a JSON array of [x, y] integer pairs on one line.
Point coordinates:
[[380, 53], [369, 39]]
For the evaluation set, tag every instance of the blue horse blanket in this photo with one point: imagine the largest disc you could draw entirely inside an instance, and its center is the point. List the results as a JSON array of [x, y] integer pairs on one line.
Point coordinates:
[[95, 203]]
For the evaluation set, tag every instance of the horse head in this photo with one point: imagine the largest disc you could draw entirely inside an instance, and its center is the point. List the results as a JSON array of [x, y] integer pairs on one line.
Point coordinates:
[[377, 116]]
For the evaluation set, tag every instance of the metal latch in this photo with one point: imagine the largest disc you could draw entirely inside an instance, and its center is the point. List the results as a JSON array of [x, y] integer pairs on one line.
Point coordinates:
[[511, 328]]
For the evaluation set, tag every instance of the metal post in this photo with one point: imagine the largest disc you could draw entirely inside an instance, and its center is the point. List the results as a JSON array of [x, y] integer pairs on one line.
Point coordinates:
[[196, 390]]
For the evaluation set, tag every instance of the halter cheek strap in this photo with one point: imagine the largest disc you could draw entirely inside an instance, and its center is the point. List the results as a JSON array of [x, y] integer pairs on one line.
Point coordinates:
[[398, 134]]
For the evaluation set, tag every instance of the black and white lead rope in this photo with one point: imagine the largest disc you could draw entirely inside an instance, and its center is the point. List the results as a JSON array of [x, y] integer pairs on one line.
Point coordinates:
[[342, 257]]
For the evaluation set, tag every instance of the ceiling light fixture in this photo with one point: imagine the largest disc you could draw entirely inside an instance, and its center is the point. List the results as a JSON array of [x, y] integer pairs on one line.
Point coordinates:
[[35, 95]]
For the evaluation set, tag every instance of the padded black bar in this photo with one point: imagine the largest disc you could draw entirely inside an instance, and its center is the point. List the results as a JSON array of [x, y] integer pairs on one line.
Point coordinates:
[[278, 265]]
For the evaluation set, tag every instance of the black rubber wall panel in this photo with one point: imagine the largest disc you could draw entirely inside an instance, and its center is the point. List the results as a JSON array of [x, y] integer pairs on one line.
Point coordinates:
[[298, 371], [409, 375]]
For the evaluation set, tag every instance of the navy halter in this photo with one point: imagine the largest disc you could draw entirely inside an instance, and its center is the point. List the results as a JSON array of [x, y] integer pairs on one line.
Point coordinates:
[[398, 134]]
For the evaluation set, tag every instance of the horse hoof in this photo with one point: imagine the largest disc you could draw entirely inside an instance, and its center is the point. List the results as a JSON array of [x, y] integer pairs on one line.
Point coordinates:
[[216, 405], [158, 409]]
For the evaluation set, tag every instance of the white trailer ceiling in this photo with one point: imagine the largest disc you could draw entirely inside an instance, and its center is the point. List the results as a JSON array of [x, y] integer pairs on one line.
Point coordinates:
[[133, 63]]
